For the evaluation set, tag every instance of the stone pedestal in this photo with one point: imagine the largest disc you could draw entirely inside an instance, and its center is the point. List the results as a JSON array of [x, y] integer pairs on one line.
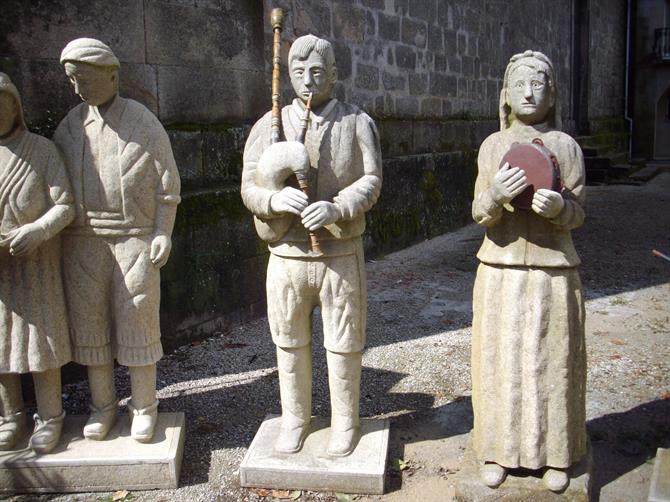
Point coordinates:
[[520, 485], [659, 489], [312, 468], [81, 465]]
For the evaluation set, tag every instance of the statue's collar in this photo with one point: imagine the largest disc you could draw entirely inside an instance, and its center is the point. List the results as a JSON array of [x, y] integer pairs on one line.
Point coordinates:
[[315, 116], [111, 116]]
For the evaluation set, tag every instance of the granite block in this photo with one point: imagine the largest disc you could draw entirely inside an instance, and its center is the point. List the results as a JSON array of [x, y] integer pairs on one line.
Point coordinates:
[[82, 465], [312, 468]]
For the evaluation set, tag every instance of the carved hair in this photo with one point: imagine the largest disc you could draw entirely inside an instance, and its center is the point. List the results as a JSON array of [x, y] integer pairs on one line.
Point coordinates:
[[302, 46], [542, 64], [6, 85]]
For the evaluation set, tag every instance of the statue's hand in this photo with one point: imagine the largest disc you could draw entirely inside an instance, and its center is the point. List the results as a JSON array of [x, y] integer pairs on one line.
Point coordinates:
[[508, 182], [319, 214], [547, 203], [288, 200], [26, 239], [161, 245]]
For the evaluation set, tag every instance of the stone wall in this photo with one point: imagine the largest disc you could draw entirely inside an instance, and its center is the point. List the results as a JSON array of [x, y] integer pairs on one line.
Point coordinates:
[[428, 71], [607, 54], [651, 77]]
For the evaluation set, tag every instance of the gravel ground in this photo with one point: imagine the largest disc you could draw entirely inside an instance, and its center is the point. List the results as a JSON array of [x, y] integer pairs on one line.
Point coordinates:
[[416, 367]]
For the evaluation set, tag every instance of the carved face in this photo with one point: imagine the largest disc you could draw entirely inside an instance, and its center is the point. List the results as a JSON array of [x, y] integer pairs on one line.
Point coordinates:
[[313, 75], [529, 95], [8, 113], [96, 85]]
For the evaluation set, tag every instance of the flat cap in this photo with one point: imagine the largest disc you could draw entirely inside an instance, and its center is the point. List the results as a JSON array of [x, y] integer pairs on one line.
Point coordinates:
[[89, 50]]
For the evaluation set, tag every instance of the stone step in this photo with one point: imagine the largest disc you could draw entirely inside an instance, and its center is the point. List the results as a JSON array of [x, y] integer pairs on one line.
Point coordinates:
[[646, 173], [597, 169]]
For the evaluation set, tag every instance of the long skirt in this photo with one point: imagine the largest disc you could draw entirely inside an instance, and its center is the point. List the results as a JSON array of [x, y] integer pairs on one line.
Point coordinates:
[[528, 367], [34, 333]]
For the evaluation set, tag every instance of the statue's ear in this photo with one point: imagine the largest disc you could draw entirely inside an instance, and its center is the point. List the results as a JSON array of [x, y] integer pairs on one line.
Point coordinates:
[[333, 74]]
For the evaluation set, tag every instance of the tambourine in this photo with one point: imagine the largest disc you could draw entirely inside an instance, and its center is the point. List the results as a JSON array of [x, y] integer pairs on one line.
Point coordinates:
[[541, 168]]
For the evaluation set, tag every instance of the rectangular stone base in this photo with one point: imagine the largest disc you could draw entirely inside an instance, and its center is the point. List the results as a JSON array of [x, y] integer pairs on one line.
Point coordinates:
[[82, 465], [312, 468], [659, 489], [521, 485]]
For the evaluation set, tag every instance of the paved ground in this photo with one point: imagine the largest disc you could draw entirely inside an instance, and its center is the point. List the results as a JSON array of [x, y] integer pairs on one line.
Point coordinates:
[[416, 369]]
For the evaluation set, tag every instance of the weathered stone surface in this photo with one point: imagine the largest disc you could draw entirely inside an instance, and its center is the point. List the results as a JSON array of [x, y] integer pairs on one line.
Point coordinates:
[[442, 85], [367, 77], [210, 98], [226, 34], [40, 30], [393, 82], [311, 17], [418, 83], [388, 26], [82, 465], [407, 106], [312, 468], [424, 9], [348, 22], [520, 486], [405, 57], [413, 32]]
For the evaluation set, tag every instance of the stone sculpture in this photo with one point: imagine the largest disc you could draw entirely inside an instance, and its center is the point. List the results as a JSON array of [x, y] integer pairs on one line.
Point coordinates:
[[528, 354], [342, 158], [126, 188], [35, 205]]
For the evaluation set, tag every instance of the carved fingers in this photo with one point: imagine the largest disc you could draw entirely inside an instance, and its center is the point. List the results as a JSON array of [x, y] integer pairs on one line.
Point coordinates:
[[509, 182], [547, 203], [289, 200], [161, 245], [319, 214], [26, 239]]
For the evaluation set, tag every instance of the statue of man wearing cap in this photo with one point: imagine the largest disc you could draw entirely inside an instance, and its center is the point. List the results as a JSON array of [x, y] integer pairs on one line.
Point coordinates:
[[126, 189]]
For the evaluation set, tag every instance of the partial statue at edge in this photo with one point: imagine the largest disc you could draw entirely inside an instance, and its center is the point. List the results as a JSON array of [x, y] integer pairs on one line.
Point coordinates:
[[336, 156], [528, 352], [35, 205], [126, 189]]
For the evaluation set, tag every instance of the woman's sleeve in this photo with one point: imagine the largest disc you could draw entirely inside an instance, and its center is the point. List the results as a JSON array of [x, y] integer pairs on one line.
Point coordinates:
[[573, 192], [486, 210]]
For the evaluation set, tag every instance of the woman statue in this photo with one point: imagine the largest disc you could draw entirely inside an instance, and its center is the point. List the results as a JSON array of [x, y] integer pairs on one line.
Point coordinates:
[[35, 204], [528, 355]]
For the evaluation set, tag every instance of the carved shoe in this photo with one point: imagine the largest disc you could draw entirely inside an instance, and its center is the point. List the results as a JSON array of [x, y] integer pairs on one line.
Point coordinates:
[[12, 428], [556, 480], [291, 438], [492, 474], [143, 422], [101, 421], [46, 434], [342, 443]]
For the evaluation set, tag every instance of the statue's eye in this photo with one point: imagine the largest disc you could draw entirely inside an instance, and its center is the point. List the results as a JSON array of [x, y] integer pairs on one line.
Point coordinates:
[[519, 85], [298, 72], [537, 84]]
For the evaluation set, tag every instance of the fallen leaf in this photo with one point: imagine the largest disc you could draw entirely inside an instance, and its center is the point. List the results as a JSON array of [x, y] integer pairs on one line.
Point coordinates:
[[616, 341], [343, 497], [281, 494], [614, 357], [261, 492], [120, 495], [398, 464], [665, 395], [295, 495]]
